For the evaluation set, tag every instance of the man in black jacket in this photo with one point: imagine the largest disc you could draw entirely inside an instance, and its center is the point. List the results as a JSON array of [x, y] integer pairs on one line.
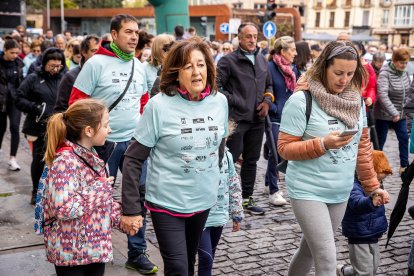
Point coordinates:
[[243, 77]]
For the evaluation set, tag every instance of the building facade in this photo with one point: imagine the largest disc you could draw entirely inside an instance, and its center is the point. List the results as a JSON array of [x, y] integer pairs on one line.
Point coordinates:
[[389, 21]]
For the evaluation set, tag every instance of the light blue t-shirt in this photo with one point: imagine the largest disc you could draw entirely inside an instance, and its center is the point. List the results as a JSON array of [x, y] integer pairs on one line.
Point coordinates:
[[183, 172], [105, 78], [330, 177], [151, 74]]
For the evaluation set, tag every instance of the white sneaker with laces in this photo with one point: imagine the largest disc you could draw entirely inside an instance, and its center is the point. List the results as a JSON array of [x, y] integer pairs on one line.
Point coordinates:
[[13, 166], [277, 199]]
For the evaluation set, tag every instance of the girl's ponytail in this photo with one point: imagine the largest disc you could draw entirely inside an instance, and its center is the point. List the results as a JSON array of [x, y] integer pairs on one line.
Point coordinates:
[[56, 135]]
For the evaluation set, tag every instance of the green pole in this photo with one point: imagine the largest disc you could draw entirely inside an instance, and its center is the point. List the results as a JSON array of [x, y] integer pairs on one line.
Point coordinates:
[[170, 13]]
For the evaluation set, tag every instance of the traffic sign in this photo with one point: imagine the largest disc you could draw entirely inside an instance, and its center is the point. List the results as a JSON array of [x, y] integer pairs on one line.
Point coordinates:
[[234, 24], [269, 29], [224, 28]]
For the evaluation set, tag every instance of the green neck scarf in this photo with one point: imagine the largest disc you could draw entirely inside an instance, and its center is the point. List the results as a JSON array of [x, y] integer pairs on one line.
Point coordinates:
[[122, 55], [399, 72]]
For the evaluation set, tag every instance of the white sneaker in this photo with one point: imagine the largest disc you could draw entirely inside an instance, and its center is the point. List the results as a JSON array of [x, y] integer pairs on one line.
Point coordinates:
[[277, 199], [13, 166], [266, 190]]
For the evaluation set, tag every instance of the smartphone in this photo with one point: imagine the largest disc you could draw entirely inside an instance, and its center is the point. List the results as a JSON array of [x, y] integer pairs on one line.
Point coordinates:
[[349, 132]]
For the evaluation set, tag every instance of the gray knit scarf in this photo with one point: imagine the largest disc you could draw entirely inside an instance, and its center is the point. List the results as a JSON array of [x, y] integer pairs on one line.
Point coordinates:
[[345, 106]]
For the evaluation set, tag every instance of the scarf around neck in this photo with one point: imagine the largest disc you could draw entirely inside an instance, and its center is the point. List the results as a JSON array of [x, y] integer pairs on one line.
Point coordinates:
[[286, 68], [186, 95], [346, 106], [392, 66], [122, 55]]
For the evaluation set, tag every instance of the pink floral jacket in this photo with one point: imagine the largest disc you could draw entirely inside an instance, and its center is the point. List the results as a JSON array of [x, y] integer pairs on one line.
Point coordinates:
[[79, 209]]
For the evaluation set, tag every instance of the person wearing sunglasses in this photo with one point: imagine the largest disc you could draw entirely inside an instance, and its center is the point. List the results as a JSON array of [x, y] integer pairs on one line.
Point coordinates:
[[36, 97], [35, 51]]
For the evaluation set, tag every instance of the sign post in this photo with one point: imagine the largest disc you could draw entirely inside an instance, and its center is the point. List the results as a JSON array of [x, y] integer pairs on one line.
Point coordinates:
[[269, 30]]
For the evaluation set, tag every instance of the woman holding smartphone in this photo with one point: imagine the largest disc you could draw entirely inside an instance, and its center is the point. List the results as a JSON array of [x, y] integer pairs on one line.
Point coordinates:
[[322, 157]]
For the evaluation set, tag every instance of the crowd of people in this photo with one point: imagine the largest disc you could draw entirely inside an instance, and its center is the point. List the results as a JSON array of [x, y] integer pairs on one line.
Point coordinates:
[[175, 113]]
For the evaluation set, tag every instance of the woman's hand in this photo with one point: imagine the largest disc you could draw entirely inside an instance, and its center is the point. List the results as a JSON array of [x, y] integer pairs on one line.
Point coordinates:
[[110, 180], [334, 141], [380, 197], [396, 118], [368, 101]]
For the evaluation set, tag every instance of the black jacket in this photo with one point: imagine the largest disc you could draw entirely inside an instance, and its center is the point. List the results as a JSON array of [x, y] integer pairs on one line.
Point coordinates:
[[4, 82], [65, 88], [36, 96], [244, 84]]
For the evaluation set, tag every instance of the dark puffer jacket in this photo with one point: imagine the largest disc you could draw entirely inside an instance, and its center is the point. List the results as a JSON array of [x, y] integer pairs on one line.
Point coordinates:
[[363, 223], [4, 80]]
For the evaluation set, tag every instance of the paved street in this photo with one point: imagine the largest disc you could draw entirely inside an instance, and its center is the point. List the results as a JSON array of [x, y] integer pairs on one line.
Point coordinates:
[[264, 246]]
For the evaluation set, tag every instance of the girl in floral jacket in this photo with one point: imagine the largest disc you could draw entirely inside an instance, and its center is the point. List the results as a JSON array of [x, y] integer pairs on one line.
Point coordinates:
[[79, 211]]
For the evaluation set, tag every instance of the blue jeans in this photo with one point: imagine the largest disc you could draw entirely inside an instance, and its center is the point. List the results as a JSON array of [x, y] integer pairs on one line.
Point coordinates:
[[400, 129], [136, 244], [271, 172], [207, 249]]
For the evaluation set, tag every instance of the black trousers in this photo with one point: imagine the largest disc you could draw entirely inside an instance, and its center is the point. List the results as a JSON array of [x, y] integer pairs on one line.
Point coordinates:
[[14, 117], [95, 269], [247, 140], [38, 164], [178, 239]]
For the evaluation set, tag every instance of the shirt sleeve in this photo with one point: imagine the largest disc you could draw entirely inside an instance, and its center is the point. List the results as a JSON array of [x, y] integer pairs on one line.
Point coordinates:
[[87, 79], [293, 120]]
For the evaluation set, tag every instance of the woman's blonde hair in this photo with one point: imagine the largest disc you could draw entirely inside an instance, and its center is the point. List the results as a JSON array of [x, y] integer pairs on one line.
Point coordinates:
[[70, 124], [283, 42], [161, 44]]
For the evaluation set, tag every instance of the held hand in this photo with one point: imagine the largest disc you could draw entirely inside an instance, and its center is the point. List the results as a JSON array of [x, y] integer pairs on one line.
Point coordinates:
[[236, 226], [334, 141], [263, 109], [110, 180], [131, 224], [380, 196], [368, 101], [396, 118]]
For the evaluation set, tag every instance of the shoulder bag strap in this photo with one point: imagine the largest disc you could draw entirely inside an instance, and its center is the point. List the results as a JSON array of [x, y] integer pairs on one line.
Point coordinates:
[[308, 111], [125, 90]]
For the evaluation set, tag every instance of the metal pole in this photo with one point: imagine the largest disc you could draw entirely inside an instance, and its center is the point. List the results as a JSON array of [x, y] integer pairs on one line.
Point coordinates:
[[48, 13], [62, 16]]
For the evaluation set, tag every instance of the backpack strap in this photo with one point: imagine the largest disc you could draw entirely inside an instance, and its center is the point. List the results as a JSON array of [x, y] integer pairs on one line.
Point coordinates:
[[308, 111]]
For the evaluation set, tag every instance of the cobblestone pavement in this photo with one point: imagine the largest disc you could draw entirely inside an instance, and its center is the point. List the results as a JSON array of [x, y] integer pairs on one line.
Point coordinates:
[[265, 244]]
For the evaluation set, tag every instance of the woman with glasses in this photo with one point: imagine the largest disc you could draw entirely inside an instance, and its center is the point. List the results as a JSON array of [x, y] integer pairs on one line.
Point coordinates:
[[36, 96], [161, 44]]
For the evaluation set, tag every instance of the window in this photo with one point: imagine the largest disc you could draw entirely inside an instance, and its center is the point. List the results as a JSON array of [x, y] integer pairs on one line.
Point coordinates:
[[317, 19], [367, 2], [332, 19], [385, 16], [365, 18], [237, 5], [259, 6], [404, 16], [319, 4], [348, 3], [347, 16]]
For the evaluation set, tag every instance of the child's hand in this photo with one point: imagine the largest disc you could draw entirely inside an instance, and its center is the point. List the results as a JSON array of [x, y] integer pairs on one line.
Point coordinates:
[[236, 226], [110, 180], [380, 197]]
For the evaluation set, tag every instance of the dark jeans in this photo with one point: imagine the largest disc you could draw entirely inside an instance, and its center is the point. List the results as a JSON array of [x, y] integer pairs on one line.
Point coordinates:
[[271, 172], [95, 269], [207, 249], [136, 244], [247, 140], [178, 238], [400, 129], [38, 164], [14, 117]]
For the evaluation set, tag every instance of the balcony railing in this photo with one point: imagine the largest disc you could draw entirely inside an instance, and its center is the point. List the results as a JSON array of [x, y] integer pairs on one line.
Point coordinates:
[[366, 4]]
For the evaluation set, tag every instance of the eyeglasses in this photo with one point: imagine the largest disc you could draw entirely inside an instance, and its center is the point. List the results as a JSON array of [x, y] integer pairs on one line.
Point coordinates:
[[226, 49], [55, 66]]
